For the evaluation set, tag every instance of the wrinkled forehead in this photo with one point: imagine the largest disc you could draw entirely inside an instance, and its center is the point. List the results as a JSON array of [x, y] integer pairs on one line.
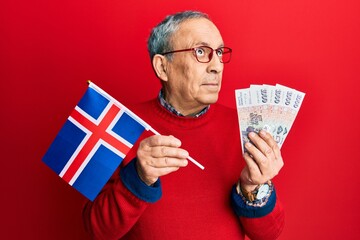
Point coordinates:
[[196, 32]]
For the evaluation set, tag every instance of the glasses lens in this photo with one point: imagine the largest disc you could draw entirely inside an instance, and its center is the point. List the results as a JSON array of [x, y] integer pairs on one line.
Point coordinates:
[[203, 54], [224, 54]]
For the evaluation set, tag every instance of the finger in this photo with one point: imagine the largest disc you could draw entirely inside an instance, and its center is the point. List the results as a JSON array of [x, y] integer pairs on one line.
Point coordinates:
[[164, 162], [158, 167], [254, 171], [256, 155], [271, 142], [278, 161], [174, 152], [167, 162], [160, 140], [262, 145]]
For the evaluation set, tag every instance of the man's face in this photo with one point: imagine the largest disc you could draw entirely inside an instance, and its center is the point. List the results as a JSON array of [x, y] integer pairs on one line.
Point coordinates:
[[192, 85]]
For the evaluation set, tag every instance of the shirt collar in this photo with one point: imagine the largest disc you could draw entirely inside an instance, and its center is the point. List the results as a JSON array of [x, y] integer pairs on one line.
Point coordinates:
[[171, 109]]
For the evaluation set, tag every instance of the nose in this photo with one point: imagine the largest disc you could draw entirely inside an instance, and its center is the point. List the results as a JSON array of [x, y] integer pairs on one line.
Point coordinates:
[[215, 66]]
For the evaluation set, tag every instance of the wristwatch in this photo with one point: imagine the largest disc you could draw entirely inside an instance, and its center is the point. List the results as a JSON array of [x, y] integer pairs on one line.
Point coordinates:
[[258, 193]]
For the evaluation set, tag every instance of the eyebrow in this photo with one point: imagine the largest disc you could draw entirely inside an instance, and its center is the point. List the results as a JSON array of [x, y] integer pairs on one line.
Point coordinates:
[[208, 45]]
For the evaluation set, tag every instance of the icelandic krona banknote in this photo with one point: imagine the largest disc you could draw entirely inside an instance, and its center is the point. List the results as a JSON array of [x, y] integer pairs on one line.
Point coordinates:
[[272, 108]]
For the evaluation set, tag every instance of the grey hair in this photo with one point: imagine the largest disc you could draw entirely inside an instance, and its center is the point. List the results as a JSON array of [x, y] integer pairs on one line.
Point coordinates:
[[160, 37]]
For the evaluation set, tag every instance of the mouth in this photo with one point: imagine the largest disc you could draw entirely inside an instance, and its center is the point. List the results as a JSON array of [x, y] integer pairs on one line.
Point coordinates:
[[211, 86]]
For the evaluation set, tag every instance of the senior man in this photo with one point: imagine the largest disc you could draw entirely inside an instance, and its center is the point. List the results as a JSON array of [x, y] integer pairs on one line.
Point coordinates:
[[156, 194]]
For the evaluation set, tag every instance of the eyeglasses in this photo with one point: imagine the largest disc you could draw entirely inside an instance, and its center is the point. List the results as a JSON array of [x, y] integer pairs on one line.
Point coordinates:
[[204, 54]]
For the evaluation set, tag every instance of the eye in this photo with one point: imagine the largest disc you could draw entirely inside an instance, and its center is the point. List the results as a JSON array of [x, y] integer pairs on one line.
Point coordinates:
[[199, 52], [219, 52]]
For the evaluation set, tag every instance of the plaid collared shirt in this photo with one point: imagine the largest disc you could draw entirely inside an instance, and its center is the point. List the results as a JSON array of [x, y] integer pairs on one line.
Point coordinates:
[[169, 107]]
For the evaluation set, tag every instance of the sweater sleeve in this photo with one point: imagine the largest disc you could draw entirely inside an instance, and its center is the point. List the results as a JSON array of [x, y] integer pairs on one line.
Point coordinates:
[[260, 223], [120, 204]]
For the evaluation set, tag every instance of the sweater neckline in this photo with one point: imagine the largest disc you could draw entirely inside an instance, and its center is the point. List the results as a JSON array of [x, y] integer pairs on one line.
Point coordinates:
[[180, 121]]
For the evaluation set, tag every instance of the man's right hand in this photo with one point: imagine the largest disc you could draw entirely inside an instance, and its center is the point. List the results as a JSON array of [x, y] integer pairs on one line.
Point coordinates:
[[158, 156]]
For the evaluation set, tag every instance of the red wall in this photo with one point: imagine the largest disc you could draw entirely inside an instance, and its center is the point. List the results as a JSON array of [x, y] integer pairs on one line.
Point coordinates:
[[48, 49]]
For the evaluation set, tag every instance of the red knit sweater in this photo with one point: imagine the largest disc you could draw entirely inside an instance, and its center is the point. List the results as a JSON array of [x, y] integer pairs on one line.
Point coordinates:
[[195, 203]]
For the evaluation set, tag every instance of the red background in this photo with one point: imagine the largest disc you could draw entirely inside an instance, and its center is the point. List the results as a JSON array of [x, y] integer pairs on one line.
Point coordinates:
[[49, 49]]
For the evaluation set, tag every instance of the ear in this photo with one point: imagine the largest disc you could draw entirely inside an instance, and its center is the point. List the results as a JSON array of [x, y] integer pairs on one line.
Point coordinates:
[[159, 63]]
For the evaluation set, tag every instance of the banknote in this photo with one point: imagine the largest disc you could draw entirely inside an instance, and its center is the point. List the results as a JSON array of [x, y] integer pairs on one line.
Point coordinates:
[[267, 107], [252, 113], [285, 111]]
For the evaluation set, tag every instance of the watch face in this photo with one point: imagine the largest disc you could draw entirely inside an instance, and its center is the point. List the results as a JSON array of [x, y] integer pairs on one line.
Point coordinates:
[[263, 190]]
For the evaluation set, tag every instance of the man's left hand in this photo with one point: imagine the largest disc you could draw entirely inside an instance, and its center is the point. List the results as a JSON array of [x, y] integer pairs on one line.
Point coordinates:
[[263, 160]]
